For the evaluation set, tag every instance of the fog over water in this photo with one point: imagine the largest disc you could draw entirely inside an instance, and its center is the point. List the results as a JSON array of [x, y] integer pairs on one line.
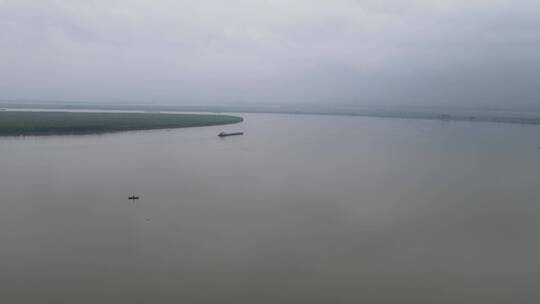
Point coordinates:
[[301, 209], [384, 52]]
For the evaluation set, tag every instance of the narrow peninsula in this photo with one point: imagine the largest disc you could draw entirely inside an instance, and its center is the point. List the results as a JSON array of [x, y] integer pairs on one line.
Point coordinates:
[[15, 123]]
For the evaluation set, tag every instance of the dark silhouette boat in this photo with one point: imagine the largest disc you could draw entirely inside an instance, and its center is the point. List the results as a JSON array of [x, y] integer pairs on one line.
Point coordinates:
[[223, 134], [133, 197]]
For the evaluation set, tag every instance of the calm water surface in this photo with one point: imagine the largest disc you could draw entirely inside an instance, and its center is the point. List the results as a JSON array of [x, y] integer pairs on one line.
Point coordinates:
[[301, 209]]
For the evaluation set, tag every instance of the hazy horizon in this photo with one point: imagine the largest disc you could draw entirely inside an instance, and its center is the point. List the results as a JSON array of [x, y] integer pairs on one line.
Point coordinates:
[[461, 53]]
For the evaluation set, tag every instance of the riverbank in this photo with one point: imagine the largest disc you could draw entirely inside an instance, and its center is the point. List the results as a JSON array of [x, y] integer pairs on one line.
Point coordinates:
[[13, 123], [522, 116]]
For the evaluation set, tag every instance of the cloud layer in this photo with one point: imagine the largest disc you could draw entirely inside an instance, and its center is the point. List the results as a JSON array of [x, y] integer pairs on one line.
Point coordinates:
[[461, 52]]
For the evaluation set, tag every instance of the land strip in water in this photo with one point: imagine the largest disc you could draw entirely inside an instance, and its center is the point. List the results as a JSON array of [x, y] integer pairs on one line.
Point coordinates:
[[50, 123]]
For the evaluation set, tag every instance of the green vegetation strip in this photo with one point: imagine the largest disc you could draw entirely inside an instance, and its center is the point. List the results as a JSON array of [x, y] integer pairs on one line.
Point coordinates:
[[45, 123]]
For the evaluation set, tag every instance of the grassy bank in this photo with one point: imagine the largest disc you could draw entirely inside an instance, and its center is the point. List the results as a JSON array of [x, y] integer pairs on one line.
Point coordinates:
[[46, 123]]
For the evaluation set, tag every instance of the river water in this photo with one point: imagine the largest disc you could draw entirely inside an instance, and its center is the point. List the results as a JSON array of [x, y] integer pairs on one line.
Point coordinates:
[[301, 209]]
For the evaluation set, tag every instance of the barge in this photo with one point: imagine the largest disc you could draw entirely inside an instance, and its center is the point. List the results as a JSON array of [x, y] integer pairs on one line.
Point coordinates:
[[223, 134]]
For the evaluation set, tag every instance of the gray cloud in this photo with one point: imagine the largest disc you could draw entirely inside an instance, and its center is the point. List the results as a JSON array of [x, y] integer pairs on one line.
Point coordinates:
[[461, 52]]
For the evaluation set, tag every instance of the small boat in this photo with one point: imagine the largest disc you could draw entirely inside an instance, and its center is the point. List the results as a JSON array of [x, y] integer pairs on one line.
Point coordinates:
[[133, 197], [223, 134]]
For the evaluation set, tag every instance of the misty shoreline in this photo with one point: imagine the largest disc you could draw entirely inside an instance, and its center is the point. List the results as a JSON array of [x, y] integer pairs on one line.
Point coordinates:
[[494, 116]]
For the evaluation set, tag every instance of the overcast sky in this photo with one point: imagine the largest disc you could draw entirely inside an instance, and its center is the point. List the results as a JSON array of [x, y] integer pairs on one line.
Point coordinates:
[[382, 52]]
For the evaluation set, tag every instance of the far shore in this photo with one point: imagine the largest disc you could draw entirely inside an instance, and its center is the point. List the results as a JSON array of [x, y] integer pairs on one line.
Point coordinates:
[[472, 115]]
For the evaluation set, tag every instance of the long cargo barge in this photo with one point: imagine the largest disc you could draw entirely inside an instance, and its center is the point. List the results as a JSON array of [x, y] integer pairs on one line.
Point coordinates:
[[223, 134]]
